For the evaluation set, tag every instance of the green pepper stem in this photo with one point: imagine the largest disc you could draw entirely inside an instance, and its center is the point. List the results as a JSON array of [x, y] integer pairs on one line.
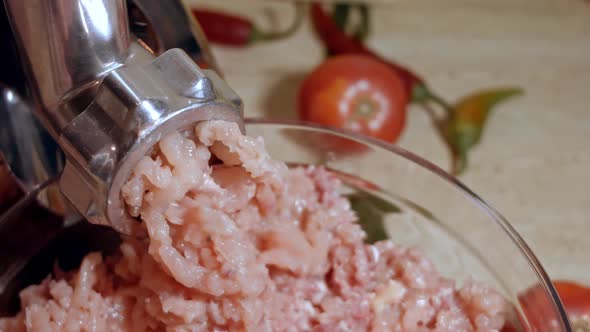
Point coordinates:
[[340, 14], [441, 125], [258, 35], [363, 28], [441, 102], [459, 162], [421, 93]]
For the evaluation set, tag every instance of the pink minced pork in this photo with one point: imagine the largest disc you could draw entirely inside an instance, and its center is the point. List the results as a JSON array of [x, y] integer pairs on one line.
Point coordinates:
[[249, 245]]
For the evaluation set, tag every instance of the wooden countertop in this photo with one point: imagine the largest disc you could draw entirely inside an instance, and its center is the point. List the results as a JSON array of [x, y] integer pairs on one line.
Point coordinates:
[[533, 164]]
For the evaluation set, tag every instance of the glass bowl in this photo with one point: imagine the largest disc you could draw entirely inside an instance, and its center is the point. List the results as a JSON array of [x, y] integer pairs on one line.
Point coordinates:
[[426, 208]]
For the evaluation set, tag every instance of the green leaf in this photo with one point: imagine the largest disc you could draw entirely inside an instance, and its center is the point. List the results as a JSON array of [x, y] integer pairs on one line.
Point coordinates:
[[371, 211]]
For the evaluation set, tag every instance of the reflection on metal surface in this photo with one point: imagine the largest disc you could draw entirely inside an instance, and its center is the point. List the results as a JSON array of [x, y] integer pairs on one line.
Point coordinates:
[[67, 45], [29, 155], [32, 154]]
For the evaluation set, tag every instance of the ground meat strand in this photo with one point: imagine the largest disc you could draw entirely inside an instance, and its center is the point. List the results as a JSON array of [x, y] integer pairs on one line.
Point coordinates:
[[249, 245]]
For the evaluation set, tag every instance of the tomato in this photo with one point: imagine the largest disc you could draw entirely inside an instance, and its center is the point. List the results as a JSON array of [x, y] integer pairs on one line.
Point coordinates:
[[357, 93], [575, 298]]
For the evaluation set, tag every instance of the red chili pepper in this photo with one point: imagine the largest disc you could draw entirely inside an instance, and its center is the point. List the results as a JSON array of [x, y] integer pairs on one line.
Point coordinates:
[[233, 30], [338, 42], [224, 28]]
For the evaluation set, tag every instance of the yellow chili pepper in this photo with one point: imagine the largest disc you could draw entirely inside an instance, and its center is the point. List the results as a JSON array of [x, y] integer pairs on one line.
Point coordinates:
[[467, 121]]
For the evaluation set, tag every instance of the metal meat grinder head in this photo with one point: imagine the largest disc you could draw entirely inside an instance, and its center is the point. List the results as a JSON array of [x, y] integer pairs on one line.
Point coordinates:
[[104, 94]]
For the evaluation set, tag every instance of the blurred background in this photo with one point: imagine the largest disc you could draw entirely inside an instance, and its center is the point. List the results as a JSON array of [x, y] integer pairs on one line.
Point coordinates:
[[533, 160]]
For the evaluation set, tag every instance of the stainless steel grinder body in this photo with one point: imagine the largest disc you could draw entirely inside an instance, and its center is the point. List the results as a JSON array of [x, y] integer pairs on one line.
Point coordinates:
[[105, 97]]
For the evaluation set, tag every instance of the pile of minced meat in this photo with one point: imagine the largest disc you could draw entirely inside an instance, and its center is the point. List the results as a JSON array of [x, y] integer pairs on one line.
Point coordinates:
[[249, 245]]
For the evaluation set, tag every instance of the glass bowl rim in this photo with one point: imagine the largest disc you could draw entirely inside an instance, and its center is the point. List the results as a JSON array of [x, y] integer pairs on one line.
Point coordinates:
[[486, 208], [491, 212]]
